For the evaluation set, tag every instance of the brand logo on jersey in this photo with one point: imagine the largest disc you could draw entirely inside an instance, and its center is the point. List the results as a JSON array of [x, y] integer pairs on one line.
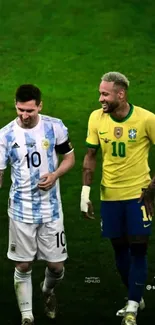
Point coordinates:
[[15, 145], [103, 132], [45, 144], [118, 132], [132, 133]]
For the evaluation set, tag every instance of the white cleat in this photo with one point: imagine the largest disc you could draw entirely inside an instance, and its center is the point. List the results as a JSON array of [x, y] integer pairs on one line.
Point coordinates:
[[121, 312]]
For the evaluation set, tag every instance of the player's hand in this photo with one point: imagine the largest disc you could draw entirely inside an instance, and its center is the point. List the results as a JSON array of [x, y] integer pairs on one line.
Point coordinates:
[[148, 197], [47, 181], [86, 206], [90, 213]]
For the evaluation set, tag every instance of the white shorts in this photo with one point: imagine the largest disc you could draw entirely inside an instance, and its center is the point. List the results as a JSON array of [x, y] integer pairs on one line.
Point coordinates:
[[44, 241]]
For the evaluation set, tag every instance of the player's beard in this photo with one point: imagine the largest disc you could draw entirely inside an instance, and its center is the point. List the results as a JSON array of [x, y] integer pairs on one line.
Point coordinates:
[[28, 123], [110, 107]]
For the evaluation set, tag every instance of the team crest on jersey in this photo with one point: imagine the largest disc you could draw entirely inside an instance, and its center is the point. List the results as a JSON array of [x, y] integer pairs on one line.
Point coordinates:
[[132, 133], [45, 144], [118, 132]]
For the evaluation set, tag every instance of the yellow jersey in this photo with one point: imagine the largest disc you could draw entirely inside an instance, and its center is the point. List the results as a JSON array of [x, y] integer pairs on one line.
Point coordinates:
[[125, 147]]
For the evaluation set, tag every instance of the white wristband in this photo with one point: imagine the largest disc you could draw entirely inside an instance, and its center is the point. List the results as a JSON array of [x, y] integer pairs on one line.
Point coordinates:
[[84, 198], [85, 192]]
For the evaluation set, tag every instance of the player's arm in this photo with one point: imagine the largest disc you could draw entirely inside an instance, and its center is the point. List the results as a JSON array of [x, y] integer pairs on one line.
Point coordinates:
[[68, 160], [148, 194], [89, 165], [4, 158], [1, 177]]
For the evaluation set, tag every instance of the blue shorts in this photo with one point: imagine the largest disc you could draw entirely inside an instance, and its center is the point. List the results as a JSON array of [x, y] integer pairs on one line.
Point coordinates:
[[128, 217]]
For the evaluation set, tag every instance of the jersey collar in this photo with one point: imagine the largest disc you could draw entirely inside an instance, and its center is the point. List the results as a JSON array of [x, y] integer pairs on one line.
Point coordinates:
[[126, 117]]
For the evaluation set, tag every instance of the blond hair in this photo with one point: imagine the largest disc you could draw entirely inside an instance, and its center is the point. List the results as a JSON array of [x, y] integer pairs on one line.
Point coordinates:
[[116, 77]]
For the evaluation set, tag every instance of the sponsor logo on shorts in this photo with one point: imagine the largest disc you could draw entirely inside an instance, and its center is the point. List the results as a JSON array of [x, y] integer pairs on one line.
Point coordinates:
[[145, 226], [64, 251], [13, 248]]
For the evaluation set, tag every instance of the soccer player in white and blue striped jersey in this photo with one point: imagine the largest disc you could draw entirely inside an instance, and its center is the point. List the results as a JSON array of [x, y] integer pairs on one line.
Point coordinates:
[[31, 144]]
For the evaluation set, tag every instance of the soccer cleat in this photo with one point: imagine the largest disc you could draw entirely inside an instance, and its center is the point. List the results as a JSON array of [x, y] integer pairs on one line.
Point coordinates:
[[50, 304], [121, 312], [129, 319], [27, 321]]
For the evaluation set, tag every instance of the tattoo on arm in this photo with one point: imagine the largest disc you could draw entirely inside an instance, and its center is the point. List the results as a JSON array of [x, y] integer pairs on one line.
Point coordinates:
[[1, 177], [87, 176], [89, 165], [152, 184]]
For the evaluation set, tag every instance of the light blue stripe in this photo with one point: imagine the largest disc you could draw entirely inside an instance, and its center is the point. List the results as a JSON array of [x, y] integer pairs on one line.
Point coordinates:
[[34, 178], [49, 134], [17, 196]]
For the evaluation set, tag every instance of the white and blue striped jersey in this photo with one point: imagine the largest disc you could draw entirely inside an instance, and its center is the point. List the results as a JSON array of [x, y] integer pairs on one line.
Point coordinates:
[[31, 154]]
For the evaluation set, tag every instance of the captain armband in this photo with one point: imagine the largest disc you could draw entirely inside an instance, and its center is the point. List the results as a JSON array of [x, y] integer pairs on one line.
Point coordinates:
[[64, 147]]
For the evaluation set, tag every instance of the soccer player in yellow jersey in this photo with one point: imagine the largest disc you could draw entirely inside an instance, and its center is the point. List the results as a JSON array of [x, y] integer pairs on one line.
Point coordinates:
[[124, 132]]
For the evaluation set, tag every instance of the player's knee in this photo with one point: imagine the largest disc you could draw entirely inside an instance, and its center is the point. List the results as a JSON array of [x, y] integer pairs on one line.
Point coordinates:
[[119, 245], [57, 274], [56, 267], [138, 249], [24, 266], [21, 276]]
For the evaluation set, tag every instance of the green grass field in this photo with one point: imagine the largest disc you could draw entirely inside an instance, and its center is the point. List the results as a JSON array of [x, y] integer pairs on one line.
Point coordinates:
[[64, 47]]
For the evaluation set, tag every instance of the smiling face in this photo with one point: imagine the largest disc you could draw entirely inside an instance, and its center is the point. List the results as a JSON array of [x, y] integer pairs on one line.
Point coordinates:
[[111, 96], [28, 113]]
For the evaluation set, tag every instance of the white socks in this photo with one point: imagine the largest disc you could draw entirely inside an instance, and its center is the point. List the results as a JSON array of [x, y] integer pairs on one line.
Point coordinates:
[[51, 280], [132, 306], [23, 289]]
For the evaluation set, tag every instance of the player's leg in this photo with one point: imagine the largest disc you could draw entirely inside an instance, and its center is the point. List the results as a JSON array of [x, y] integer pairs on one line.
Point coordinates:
[[124, 262], [112, 220], [138, 272], [22, 249], [52, 248], [139, 227], [122, 257], [23, 290], [137, 278], [54, 273]]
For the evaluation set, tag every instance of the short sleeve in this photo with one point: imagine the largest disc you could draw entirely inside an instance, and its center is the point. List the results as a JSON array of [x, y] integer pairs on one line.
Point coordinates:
[[92, 139], [150, 127], [61, 132], [3, 153]]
